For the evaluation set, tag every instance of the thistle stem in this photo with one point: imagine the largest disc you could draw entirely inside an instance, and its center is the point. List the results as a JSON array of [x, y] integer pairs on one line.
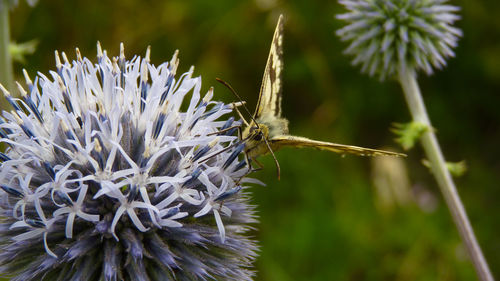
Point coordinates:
[[6, 71], [408, 81]]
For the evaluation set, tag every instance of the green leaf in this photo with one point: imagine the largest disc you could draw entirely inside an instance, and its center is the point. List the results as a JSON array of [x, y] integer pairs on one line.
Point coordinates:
[[19, 51], [408, 133], [457, 169]]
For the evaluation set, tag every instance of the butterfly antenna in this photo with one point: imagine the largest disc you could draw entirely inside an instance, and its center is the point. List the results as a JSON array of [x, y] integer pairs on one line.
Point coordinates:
[[238, 96]]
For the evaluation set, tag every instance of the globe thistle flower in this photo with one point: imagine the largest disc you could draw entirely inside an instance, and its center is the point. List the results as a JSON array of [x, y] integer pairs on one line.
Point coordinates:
[[109, 174], [390, 35]]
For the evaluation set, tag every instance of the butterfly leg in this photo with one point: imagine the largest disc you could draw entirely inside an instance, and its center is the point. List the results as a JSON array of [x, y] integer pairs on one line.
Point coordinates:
[[250, 167], [261, 166], [247, 158]]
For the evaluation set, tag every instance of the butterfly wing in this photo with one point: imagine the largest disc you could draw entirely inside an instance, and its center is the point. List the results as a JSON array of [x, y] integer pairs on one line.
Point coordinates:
[[269, 103], [294, 141]]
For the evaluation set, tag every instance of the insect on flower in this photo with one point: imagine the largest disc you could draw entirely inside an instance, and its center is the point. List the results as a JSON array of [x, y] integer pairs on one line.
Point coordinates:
[[268, 130]]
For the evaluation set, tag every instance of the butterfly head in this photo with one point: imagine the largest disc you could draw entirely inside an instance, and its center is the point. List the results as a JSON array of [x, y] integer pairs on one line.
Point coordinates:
[[255, 137]]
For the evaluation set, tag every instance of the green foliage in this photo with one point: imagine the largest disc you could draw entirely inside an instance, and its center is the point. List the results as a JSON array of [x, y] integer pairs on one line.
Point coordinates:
[[322, 220], [19, 51], [457, 169], [408, 133]]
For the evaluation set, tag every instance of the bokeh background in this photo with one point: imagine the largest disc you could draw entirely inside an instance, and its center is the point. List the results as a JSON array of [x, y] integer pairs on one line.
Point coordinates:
[[329, 217]]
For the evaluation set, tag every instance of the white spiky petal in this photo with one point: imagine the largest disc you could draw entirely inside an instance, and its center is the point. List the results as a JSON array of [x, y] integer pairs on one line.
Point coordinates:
[[112, 154]]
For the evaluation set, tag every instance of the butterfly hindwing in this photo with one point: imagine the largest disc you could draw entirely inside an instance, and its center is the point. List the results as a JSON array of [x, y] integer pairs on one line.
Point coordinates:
[[269, 103], [295, 141]]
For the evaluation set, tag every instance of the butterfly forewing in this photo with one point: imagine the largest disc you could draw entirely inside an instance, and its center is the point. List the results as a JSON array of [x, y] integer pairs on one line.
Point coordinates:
[[295, 141], [269, 103]]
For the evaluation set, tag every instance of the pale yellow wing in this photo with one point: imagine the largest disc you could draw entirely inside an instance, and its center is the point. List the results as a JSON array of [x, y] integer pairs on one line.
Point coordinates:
[[269, 102], [294, 141]]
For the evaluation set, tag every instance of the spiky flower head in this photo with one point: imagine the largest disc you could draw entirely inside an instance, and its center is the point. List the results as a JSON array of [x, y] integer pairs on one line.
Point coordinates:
[[120, 171], [391, 35]]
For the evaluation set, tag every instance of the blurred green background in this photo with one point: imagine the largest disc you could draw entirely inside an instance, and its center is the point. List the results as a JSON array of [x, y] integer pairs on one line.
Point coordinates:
[[330, 217]]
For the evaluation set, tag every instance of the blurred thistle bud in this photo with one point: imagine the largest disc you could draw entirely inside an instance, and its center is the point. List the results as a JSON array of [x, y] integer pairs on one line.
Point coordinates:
[[391, 35], [105, 177]]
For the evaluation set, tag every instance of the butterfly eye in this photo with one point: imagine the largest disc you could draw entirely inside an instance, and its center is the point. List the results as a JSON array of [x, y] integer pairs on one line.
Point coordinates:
[[257, 137]]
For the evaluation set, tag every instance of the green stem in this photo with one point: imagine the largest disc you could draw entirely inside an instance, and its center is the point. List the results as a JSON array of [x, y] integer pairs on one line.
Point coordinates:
[[6, 71], [408, 81]]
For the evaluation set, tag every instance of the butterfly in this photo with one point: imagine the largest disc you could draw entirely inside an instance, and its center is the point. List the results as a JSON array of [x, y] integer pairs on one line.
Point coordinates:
[[268, 130]]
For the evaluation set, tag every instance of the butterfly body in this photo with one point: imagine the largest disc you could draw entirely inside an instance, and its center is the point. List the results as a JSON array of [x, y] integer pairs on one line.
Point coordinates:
[[268, 130]]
